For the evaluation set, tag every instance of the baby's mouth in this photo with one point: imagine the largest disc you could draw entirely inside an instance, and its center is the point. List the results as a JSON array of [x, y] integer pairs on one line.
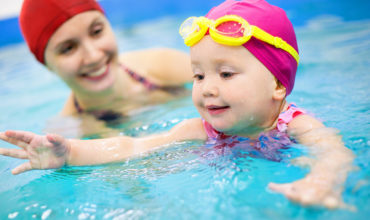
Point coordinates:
[[215, 109]]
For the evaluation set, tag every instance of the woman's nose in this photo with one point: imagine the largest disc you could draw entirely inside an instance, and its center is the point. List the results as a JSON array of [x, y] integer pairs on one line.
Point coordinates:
[[91, 53]]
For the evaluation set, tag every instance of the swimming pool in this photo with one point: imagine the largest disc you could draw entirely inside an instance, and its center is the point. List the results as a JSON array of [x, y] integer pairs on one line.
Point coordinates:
[[179, 182]]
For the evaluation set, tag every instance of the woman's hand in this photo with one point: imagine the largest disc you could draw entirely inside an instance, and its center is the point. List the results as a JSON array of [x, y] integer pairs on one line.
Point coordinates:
[[43, 152]]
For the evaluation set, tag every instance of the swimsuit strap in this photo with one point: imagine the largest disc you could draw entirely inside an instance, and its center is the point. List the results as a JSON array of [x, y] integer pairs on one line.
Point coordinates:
[[213, 133], [137, 77], [151, 86], [287, 116], [99, 114], [77, 106]]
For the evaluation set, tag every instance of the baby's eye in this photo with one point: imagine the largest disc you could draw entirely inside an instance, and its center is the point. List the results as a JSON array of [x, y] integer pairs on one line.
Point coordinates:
[[226, 74], [198, 77]]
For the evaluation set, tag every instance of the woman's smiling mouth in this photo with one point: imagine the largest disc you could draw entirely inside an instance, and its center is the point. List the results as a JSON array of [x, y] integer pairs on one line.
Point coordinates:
[[97, 75]]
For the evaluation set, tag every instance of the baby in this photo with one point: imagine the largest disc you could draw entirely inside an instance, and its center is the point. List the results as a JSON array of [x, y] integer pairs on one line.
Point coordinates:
[[244, 57]]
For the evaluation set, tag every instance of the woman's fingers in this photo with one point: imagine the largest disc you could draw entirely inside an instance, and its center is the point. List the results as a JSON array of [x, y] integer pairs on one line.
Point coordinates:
[[22, 168], [16, 153]]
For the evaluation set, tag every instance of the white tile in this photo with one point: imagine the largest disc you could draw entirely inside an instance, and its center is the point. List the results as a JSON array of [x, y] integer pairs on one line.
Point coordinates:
[[10, 8]]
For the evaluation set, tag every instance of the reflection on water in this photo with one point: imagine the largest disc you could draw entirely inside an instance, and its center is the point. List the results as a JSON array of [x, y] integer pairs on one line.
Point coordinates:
[[332, 83]]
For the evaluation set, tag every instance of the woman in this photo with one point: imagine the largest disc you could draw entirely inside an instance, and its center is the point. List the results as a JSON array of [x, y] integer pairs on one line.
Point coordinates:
[[74, 39]]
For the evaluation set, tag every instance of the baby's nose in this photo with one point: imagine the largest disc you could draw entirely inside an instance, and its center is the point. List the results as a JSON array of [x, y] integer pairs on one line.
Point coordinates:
[[210, 88]]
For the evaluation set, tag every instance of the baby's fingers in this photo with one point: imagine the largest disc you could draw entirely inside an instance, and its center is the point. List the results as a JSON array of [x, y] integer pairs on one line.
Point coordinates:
[[282, 188], [331, 202], [24, 136], [306, 196], [16, 153], [286, 189], [20, 139], [22, 168], [55, 139]]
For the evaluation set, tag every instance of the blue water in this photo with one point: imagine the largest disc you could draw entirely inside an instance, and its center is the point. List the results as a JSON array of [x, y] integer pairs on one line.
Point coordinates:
[[182, 182]]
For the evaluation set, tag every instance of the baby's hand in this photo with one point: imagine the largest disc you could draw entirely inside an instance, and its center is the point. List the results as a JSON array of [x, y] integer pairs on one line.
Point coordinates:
[[43, 152], [311, 191]]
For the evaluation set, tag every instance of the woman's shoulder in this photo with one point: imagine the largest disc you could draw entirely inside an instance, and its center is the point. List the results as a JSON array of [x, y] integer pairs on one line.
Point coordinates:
[[162, 66], [69, 107], [156, 52]]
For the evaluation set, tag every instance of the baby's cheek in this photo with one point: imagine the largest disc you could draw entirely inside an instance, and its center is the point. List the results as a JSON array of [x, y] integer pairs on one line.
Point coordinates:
[[195, 95]]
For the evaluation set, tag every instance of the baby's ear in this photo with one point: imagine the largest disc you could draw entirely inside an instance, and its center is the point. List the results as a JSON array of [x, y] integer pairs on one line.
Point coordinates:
[[279, 92]]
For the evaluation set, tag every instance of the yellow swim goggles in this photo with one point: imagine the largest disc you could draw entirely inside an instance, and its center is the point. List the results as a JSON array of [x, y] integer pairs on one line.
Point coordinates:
[[193, 29]]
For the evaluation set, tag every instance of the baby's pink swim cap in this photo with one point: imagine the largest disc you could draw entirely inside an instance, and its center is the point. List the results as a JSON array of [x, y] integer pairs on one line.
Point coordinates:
[[274, 21], [39, 19]]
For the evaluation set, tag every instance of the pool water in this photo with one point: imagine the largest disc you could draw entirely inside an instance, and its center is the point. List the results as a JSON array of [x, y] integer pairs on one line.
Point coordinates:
[[187, 180]]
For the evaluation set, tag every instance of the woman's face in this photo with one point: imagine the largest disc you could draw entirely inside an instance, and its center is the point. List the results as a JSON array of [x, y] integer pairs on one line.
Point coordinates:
[[83, 52]]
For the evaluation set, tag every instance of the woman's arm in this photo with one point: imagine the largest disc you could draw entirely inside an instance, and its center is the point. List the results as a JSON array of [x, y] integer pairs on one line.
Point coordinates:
[[330, 163], [54, 151]]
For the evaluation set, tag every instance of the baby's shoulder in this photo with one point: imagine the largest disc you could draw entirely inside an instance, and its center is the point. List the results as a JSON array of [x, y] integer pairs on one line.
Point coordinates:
[[190, 129], [290, 112], [304, 123]]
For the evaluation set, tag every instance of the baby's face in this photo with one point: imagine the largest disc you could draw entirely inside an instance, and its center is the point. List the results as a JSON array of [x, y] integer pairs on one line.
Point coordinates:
[[232, 90]]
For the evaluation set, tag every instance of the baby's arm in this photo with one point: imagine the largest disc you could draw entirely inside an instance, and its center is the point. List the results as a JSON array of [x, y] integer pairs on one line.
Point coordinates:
[[53, 151], [328, 168], [100, 151]]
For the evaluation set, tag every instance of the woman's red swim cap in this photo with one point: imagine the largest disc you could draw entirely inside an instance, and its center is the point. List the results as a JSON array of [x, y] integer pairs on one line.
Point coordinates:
[[39, 19]]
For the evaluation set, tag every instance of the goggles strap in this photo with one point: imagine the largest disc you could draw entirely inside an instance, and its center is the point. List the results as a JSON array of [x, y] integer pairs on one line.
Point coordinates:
[[275, 41]]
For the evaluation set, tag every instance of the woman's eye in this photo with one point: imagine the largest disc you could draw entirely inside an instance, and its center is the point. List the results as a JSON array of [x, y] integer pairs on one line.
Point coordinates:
[[67, 48], [96, 30]]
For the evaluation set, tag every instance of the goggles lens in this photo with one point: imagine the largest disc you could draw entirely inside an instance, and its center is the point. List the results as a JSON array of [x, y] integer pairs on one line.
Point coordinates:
[[188, 27], [230, 29]]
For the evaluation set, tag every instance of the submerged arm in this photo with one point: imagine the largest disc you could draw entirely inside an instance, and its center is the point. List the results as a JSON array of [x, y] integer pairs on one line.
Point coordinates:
[[330, 163], [100, 151]]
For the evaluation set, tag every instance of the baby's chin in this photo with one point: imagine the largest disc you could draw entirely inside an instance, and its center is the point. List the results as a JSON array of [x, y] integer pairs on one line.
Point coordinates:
[[224, 128], [234, 130]]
